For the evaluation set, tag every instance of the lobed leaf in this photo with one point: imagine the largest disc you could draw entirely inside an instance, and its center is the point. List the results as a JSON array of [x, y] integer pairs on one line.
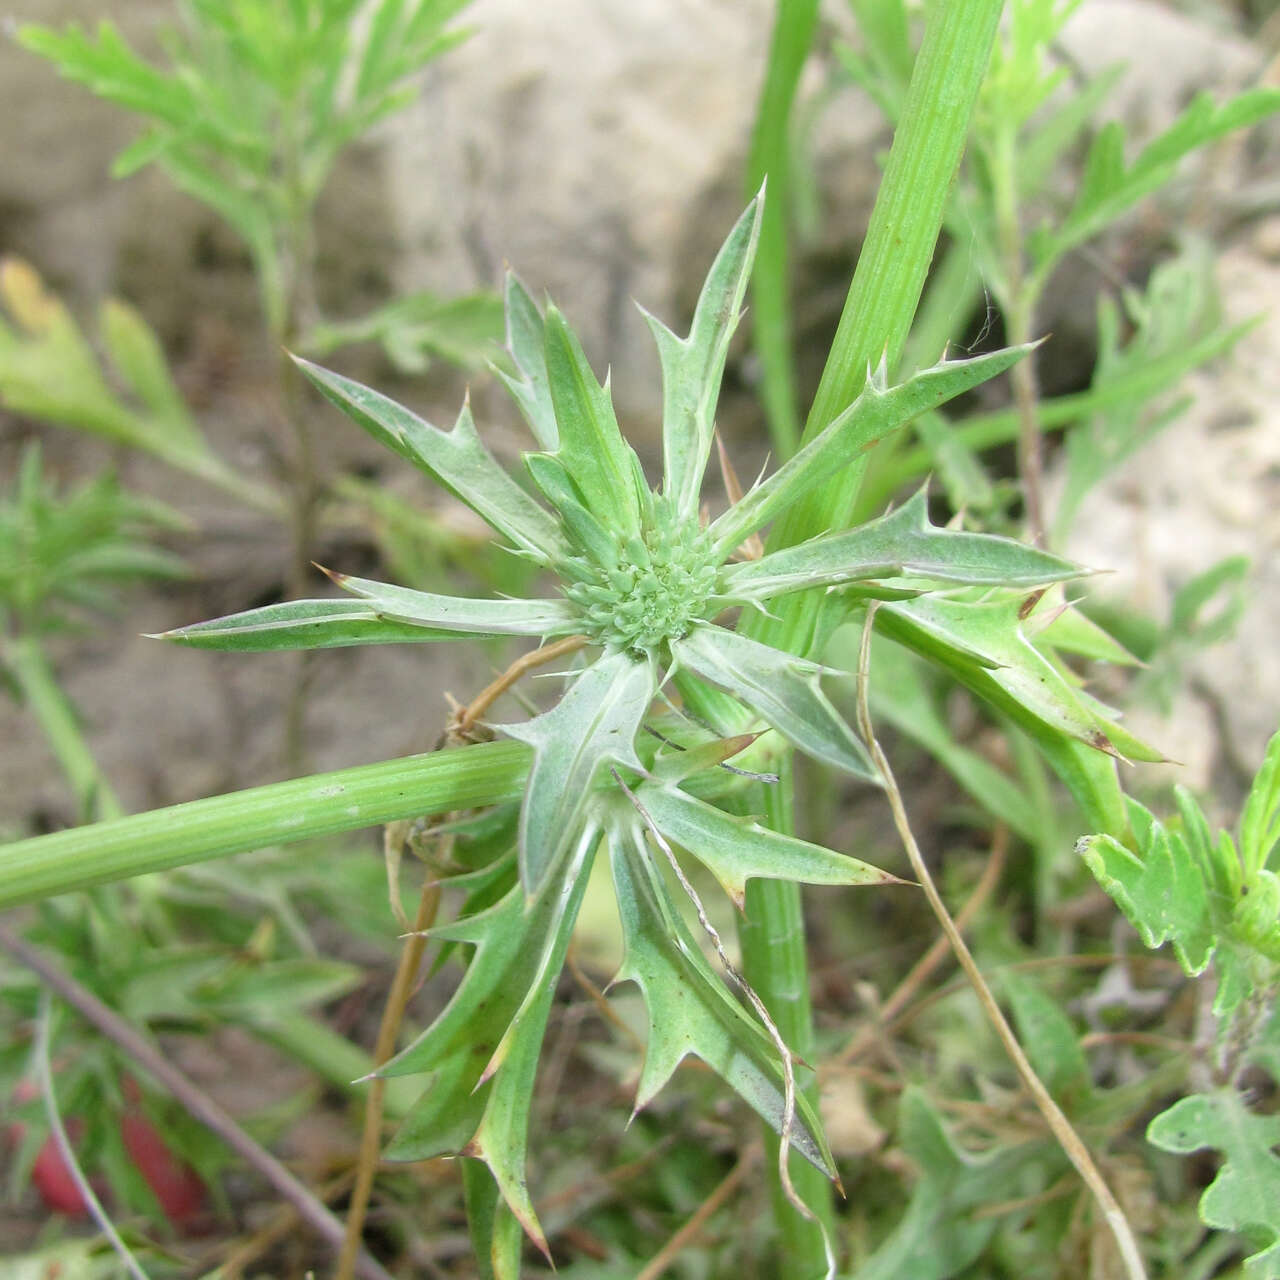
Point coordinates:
[[781, 689], [900, 544], [1245, 1195], [689, 1009], [457, 459], [1161, 889], [692, 367], [594, 723], [878, 411], [736, 849]]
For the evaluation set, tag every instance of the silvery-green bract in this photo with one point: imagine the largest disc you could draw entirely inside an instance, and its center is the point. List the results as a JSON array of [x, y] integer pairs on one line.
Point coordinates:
[[644, 580]]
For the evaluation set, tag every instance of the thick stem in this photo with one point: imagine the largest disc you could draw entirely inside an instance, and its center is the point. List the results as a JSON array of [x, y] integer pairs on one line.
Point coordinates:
[[775, 963], [882, 300], [281, 813]]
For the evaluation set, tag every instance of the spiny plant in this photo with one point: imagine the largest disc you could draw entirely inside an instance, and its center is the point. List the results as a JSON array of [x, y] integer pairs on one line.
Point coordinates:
[[643, 581], [1217, 902]]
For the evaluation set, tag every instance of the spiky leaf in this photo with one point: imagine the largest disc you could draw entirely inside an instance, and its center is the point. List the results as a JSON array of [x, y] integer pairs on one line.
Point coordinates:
[[736, 849], [692, 367], [459, 614], [592, 449], [303, 624], [457, 459], [782, 690], [690, 1011], [595, 723], [526, 341], [878, 411], [901, 544]]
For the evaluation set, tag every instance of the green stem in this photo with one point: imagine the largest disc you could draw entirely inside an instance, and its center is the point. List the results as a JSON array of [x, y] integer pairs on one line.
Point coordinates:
[[281, 813], [770, 153], [46, 701], [775, 963], [877, 316]]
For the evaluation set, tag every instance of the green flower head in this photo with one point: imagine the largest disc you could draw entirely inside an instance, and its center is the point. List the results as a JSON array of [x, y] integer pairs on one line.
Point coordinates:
[[646, 582]]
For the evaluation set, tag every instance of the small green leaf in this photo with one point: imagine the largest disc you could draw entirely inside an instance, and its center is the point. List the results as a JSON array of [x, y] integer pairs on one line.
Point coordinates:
[[690, 1011], [457, 459], [456, 613], [781, 689], [302, 624], [603, 465], [1050, 1039], [901, 544], [878, 411], [1162, 891], [692, 367], [465, 330], [1245, 1195], [738, 849], [595, 722]]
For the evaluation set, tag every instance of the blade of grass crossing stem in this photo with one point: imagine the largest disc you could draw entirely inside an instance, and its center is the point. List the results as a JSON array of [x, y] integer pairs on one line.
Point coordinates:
[[793, 28], [878, 312], [900, 242]]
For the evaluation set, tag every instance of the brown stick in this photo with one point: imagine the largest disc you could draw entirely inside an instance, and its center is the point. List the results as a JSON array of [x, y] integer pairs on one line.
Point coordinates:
[[938, 951], [194, 1100], [1073, 1148]]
